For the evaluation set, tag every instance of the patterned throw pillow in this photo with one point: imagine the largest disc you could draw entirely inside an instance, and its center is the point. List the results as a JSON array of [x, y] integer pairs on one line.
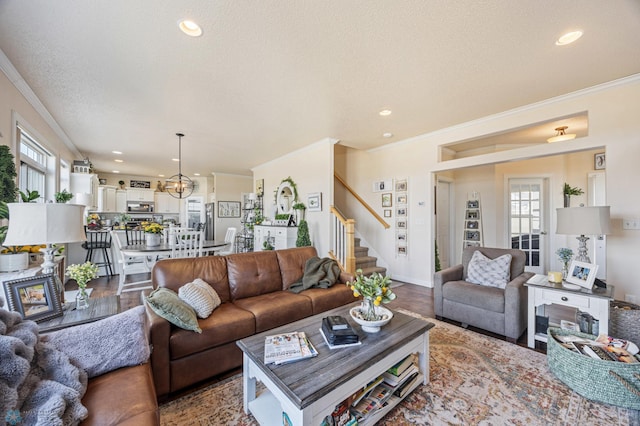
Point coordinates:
[[200, 296], [489, 272], [166, 303]]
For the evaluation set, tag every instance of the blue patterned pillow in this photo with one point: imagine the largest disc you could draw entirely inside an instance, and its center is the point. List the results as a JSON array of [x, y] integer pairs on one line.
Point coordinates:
[[489, 272]]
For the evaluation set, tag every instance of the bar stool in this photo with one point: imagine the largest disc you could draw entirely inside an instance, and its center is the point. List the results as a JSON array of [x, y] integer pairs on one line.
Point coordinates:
[[100, 241]]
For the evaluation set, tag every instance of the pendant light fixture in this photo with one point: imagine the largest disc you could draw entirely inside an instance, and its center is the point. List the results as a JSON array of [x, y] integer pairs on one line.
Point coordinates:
[[179, 186], [561, 135]]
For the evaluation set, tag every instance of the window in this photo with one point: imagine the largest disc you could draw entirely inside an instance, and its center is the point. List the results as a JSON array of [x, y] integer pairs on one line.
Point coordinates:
[[33, 165]]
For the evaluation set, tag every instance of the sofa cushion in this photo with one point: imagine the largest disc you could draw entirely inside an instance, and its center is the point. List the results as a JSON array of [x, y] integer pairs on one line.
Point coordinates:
[[106, 345], [253, 274], [466, 293], [324, 299], [292, 262], [489, 272], [174, 273], [227, 323], [274, 309], [200, 296], [166, 303]]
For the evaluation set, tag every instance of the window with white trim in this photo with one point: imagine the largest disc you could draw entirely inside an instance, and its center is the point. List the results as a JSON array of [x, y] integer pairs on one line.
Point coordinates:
[[33, 164]]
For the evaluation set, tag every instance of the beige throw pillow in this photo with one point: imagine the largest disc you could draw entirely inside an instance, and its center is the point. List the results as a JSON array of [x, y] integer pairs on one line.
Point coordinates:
[[200, 296]]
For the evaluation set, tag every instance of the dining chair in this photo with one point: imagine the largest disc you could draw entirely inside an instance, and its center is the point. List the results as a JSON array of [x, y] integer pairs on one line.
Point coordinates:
[[230, 239], [186, 243], [98, 240], [130, 265], [135, 234]]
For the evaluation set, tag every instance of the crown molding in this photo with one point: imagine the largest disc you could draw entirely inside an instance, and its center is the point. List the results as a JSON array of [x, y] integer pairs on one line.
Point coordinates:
[[16, 79]]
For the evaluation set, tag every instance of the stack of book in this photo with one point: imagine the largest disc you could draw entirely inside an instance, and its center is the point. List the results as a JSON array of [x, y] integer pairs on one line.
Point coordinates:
[[287, 347], [337, 332], [401, 377]]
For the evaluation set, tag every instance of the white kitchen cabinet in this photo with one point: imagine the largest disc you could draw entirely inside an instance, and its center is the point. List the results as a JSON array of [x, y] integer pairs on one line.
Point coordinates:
[[280, 237], [85, 183], [106, 198], [140, 194], [121, 200], [165, 203]]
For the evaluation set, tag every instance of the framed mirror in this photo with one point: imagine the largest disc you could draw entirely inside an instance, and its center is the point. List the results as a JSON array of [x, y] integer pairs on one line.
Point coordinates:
[[285, 198]]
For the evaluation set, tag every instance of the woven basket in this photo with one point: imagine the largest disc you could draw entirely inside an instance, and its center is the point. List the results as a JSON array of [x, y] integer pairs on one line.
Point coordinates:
[[614, 383], [624, 323]]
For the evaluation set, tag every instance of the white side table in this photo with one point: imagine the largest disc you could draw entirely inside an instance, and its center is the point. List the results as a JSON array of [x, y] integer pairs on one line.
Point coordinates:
[[594, 301]]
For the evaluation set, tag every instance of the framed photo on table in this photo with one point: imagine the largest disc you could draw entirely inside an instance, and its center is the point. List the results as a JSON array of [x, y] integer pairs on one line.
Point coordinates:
[[34, 298], [582, 274]]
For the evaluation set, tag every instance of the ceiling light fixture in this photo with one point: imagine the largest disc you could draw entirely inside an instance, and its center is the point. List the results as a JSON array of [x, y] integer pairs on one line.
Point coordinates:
[[179, 186], [561, 135], [387, 135], [115, 171], [117, 160], [117, 152], [568, 38], [190, 28], [385, 112]]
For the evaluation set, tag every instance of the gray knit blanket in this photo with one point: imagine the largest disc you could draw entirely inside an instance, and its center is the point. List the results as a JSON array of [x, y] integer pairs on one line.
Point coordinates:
[[38, 383]]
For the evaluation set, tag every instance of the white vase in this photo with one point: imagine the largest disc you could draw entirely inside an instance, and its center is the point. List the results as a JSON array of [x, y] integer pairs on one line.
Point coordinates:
[[153, 240], [11, 262]]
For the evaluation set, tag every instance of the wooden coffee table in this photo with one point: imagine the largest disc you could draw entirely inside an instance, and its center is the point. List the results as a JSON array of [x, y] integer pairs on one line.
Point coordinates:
[[309, 390], [99, 308]]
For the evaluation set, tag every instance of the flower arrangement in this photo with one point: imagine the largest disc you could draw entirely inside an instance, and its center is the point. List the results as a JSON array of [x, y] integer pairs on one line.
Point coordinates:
[[374, 290], [565, 254], [83, 273], [153, 228]]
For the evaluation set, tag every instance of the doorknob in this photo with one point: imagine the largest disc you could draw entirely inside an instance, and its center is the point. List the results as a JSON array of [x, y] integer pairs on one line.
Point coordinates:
[[543, 233]]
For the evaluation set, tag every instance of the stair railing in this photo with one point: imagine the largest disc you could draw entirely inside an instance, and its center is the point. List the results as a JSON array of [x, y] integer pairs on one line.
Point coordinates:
[[343, 241], [363, 202]]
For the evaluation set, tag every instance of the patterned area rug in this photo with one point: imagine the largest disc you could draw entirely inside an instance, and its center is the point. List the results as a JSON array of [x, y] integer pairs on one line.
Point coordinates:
[[475, 379]]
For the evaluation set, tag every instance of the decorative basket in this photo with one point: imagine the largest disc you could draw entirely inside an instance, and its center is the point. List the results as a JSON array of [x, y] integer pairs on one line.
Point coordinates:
[[611, 382], [624, 321]]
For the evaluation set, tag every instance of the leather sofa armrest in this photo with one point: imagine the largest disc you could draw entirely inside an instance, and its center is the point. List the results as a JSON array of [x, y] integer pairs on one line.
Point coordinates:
[[159, 333], [453, 273], [515, 305], [345, 277]]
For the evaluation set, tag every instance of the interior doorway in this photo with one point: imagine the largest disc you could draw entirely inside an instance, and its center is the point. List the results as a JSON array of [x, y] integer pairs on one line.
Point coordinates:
[[444, 225]]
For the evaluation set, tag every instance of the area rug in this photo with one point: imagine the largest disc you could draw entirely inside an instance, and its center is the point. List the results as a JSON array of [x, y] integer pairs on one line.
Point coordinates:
[[475, 380]]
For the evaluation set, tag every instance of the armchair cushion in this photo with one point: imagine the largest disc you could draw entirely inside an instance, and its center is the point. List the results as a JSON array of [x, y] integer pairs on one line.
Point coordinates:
[[489, 272]]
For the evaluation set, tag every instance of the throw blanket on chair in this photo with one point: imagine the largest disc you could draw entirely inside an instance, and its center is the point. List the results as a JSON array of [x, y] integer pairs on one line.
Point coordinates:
[[318, 273], [38, 383]]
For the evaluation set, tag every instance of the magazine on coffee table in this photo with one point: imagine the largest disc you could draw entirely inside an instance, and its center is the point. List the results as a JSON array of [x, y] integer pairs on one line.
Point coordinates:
[[287, 347]]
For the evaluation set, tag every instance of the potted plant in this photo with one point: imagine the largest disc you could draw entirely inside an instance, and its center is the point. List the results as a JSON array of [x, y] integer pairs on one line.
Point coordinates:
[[303, 239], [82, 274], [153, 232], [568, 191], [63, 196], [374, 290], [299, 208], [12, 258]]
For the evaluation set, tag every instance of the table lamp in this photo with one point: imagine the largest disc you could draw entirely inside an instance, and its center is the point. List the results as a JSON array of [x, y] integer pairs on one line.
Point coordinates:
[[583, 221], [45, 223]]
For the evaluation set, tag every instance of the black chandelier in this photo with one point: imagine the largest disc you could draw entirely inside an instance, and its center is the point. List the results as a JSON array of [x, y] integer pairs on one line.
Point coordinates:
[[179, 186]]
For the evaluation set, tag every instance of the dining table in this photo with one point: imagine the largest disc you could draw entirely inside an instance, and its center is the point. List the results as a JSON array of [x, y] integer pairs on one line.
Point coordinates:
[[164, 249]]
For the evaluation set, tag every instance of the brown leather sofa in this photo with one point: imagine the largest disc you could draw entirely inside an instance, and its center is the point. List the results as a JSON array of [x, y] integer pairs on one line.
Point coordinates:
[[253, 288]]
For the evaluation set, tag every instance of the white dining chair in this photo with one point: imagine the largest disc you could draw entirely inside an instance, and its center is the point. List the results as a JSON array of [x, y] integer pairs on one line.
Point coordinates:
[[130, 265], [186, 243], [230, 239]]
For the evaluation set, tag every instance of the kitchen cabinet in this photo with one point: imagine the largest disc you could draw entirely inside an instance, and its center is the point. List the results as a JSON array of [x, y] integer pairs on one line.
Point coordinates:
[[279, 237], [165, 203], [121, 200], [140, 194], [85, 183], [106, 198]]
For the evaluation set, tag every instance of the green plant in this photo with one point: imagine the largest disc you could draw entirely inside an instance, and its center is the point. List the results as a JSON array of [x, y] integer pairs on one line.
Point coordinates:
[[374, 287], [568, 190], [293, 186], [282, 216], [63, 196], [299, 206], [303, 239], [29, 196], [82, 273], [266, 245], [8, 188]]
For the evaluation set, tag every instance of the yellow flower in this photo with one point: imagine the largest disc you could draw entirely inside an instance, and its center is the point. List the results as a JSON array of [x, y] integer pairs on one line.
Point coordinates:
[[355, 293], [377, 302]]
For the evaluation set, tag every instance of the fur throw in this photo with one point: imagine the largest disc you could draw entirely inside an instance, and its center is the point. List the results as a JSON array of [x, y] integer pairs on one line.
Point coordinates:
[[38, 383]]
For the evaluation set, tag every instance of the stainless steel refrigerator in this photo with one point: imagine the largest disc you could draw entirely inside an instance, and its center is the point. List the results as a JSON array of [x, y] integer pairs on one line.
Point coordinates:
[[209, 221]]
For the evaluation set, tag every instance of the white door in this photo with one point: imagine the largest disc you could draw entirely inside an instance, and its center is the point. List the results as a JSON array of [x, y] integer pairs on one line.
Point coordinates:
[[443, 223], [527, 221]]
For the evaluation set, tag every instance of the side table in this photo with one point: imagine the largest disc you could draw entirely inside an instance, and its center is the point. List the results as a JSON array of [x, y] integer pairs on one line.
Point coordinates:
[[594, 301], [99, 308]]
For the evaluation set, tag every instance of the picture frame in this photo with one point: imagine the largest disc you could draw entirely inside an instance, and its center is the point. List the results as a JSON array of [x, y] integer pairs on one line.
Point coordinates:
[[401, 199], [401, 185], [472, 204], [382, 185], [599, 161], [387, 200], [582, 273], [401, 237], [227, 209], [314, 202], [401, 224], [34, 298], [259, 187], [402, 251], [387, 213], [401, 211], [472, 214]]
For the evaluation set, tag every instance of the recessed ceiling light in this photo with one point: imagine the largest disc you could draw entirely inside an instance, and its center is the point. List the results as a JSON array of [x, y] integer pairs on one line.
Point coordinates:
[[117, 152], [385, 112], [175, 159], [115, 171], [190, 28], [568, 38], [562, 135], [387, 135], [160, 175], [117, 160], [196, 174]]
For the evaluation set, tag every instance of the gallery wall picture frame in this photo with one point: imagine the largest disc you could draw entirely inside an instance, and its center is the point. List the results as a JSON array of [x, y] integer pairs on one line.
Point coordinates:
[[259, 187], [401, 251], [314, 202], [401, 237], [401, 223], [599, 161], [401, 185], [387, 213], [401, 211], [228, 209], [34, 298], [582, 273], [383, 185], [387, 201], [401, 199]]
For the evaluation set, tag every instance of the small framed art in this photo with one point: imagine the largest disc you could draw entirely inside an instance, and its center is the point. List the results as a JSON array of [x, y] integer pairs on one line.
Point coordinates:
[[599, 161], [35, 298], [314, 202], [229, 209], [387, 213], [582, 273], [386, 199]]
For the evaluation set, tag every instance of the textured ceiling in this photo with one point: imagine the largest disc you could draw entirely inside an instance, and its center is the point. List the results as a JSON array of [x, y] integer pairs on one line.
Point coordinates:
[[271, 76]]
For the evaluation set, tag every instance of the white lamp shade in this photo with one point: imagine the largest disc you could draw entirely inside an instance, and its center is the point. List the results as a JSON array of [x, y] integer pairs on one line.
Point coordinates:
[[584, 221], [44, 223], [83, 198]]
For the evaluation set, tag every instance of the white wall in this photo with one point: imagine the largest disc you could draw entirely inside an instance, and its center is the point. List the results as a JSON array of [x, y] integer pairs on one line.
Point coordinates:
[[230, 188], [311, 168]]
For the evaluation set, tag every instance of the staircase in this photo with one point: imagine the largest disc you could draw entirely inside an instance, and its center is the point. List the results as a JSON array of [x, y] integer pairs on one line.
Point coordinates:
[[365, 262]]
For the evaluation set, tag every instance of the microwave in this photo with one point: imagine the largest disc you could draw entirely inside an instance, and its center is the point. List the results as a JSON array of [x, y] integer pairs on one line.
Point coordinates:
[[139, 207]]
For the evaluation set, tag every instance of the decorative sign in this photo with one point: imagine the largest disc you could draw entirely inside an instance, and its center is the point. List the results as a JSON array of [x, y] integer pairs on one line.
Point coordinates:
[[140, 184]]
